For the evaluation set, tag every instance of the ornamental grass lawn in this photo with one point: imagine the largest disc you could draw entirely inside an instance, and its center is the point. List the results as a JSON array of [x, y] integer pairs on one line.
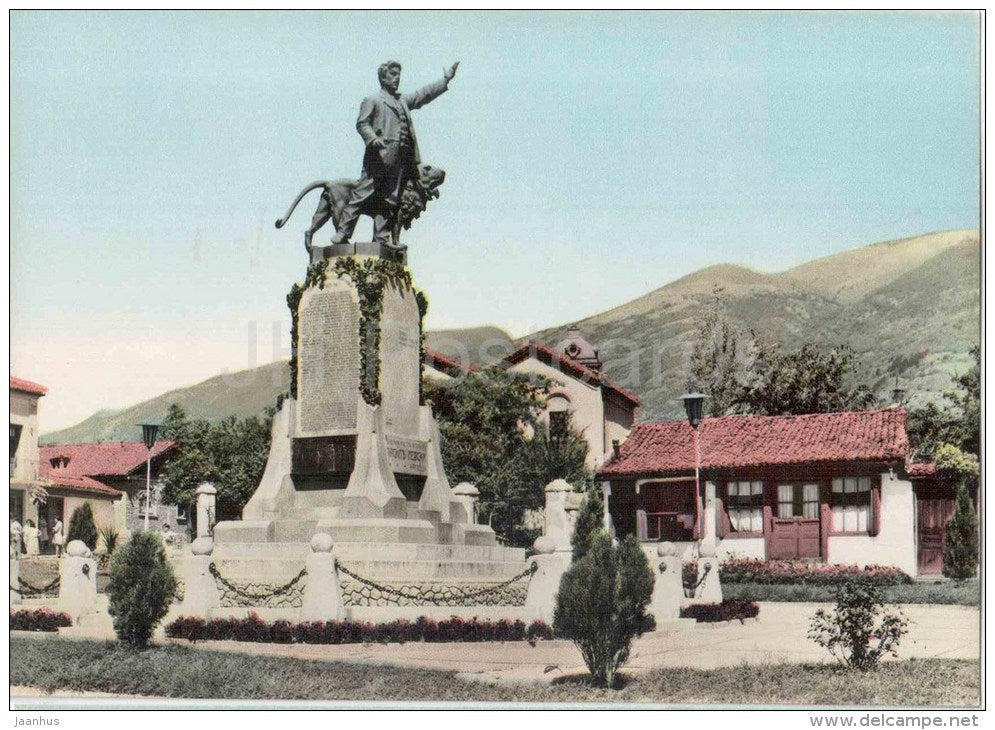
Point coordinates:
[[183, 672], [959, 593]]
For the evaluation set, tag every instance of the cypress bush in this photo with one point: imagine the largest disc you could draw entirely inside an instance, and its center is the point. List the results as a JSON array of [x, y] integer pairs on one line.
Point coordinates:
[[590, 517], [141, 587], [601, 604], [82, 527], [960, 547]]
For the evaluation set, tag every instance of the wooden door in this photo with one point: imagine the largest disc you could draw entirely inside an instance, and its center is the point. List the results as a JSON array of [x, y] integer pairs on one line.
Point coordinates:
[[795, 524], [933, 509]]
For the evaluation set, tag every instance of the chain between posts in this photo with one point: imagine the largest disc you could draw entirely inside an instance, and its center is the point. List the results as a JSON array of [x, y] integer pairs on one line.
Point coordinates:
[[241, 592], [29, 590], [417, 595]]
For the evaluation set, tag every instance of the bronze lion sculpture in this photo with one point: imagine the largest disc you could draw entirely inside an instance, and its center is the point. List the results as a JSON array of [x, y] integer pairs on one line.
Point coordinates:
[[335, 194]]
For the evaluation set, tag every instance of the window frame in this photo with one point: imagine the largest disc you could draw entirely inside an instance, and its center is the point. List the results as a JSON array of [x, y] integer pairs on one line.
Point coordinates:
[[873, 505], [728, 532]]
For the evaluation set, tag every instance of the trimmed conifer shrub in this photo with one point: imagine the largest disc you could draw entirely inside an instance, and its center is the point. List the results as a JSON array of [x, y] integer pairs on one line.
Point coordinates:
[[960, 546], [601, 604], [82, 527], [590, 518], [141, 587]]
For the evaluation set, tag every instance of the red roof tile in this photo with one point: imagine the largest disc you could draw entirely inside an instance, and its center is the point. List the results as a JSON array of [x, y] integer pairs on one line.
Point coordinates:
[[83, 484], [111, 458], [26, 386], [551, 357], [749, 441], [448, 365], [921, 470]]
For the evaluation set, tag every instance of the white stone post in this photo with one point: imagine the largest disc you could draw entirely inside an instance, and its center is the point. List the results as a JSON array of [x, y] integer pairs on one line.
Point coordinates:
[[467, 495], [668, 586], [206, 506], [710, 533], [15, 574], [322, 599], [540, 603], [77, 580], [606, 492], [710, 589], [556, 524], [200, 592]]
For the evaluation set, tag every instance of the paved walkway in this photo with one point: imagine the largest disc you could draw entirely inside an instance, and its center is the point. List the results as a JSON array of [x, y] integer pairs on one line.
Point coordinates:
[[777, 635]]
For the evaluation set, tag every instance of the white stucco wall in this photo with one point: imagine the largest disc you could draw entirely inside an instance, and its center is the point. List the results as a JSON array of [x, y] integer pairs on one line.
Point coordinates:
[[742, 547], [895, 544], [586, 406]]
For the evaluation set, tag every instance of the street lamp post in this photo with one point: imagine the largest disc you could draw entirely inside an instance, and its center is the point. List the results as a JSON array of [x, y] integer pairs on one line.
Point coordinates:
[[693, 407], [149, 431]]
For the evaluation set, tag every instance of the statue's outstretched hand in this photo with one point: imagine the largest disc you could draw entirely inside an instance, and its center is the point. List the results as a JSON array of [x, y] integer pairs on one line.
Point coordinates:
[[450, 72]]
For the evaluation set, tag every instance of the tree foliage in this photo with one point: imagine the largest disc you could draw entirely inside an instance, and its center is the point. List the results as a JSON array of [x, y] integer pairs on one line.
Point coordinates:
[[601, 604], [960, 546], [958, 423], [230, 454], [82, 527], [141, 588], [492, 437], [715, 366], [590, 519]]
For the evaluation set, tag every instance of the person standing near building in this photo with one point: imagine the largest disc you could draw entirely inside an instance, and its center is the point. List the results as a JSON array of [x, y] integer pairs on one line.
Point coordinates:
[[31, 533], [15, 539], [58, 538]]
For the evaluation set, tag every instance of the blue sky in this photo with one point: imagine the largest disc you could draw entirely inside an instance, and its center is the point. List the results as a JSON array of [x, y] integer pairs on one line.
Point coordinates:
[[591, 157]]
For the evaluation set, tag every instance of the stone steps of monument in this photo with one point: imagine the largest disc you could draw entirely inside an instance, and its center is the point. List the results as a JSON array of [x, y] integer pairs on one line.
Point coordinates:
[[276, 550], [409, 551]]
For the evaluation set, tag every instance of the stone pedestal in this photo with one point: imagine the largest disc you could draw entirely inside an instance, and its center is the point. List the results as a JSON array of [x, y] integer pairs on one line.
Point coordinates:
[[323, 594], [200, 592], [77, 581], [550, 567], [355, 457], [15, 574], [710, 588], [668, 586]]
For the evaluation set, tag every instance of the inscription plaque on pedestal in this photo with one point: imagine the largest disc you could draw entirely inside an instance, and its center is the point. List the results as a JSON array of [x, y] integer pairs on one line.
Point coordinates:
[[327, 359], [407, 456]]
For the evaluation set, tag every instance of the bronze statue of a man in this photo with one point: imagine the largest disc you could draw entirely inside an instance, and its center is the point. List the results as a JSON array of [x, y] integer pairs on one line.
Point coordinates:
[[391, 156]]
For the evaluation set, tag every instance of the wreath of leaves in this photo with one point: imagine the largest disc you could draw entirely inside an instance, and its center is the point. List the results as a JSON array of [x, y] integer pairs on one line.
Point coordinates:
[[370, 276]]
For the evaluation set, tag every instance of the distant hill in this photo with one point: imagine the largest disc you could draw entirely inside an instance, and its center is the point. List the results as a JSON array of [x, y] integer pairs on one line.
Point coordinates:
[[909, 308]]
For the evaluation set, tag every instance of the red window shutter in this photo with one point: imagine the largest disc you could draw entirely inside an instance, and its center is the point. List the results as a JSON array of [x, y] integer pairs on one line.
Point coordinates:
[[875, 526]]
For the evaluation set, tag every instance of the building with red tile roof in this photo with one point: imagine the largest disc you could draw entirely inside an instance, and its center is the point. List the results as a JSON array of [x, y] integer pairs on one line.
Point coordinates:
[[119, 466], [598, 408], [37, 498], [831, 487]]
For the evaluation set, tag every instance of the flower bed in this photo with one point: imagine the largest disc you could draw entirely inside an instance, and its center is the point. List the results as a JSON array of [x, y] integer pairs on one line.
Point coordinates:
[[751, 570], [729, 610], [253, 628], [38, 619]]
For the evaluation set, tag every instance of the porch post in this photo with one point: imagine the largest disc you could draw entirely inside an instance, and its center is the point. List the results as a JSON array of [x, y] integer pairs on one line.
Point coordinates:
[[709, 533], [697, 487], [606, 492]]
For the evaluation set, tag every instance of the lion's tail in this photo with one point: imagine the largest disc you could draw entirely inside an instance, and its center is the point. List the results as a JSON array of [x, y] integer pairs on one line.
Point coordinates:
[[316, 184]]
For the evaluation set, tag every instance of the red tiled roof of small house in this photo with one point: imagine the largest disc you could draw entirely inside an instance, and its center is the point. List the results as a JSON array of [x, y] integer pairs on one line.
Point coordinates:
[[111, 458], [749, 441], [26, 386]]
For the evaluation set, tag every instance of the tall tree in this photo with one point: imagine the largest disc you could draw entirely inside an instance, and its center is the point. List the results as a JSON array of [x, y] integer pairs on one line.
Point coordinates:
[[967, 398], [807, 380], [492, 437], [230, 454], [715, 366]]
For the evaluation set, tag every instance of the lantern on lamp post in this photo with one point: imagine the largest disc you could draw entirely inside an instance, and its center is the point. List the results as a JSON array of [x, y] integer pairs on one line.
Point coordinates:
[[694, 406], [149, 431]]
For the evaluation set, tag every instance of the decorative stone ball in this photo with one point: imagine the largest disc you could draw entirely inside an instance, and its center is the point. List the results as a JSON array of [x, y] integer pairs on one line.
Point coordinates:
[[321, 542], [545, 544], [202, 546], [706, 550], [78, 549], [666, 549]]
